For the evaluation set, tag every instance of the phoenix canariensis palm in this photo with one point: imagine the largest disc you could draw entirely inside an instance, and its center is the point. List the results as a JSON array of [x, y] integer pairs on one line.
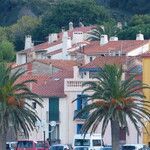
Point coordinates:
[[108, 28], [15, 103], [115, 100]]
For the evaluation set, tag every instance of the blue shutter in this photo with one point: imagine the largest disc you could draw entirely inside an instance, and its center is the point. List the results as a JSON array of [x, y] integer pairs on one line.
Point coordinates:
[[79, 102], [79, 126], [54, 109]]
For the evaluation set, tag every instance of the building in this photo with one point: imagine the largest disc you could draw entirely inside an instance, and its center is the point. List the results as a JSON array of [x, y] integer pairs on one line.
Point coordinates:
[[61, 65], [146, 80]]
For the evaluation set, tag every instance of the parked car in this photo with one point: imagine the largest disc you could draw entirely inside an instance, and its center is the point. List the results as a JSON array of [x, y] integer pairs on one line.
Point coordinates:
[[94, 141], [41, 146], [26, 145], [60, 147], [11, 145], [106, 148], [81, 148], [133, 147]]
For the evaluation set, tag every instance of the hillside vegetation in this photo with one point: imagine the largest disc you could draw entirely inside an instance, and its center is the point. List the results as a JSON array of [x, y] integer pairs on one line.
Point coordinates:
[[41, 17]]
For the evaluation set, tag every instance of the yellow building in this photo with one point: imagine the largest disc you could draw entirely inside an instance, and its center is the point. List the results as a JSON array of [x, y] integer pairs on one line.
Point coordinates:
[[146, 79]]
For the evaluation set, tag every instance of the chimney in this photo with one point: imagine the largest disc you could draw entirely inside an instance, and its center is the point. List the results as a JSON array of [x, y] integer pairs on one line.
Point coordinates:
[[81, 24], [113, 38], [66, 44], [103, 39], [139, 36], [70, 25], [75, 72], [63, 29], [119, 25], [52, 37], [28, 42]]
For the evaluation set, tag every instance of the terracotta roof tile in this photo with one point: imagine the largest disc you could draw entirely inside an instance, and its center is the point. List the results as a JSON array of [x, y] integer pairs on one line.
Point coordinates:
[[84, 29], [101, 61], [43, 46], [54, 86], [46, 45], [48, 86], [54, 52], [125, 45], [61, 64]]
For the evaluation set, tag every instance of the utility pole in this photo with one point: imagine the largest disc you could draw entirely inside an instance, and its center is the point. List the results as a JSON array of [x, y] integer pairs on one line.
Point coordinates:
[[44, 139]]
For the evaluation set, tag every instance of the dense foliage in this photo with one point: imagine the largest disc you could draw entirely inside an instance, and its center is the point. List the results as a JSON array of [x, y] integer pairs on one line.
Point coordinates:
[[41, 17], [85, 11], [138, 24], [15, 103], [133, 6]]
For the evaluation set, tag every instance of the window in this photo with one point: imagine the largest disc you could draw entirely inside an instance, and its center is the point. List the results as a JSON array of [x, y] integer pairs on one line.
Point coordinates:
[[91, 58], [98, 143], [79, 126], [34, 105], [54, 109], [81, 101], [82, 142], [54, 133]]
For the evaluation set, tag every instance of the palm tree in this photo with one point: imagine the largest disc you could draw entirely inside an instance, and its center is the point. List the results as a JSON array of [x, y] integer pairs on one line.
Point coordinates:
[[15, 104], [107, 28], [114, 100]]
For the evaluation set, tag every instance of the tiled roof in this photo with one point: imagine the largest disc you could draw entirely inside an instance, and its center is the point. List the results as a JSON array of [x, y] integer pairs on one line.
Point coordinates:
[[54, 86], [48, 86], [122, 45], [84, 29], [101, 61], [46, 45], [54, 52], [42, 46], [146, 54], [61, 64]]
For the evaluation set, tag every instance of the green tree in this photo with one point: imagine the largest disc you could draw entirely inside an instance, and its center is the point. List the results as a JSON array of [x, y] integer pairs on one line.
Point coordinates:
[[138, 23], [3, 34], [86, 11], [7, 52], [15, 103], [113, 100], [24, 26], [108, 28]]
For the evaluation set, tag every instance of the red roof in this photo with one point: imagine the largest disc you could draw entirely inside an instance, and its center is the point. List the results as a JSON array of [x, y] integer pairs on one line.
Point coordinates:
[[43, 46], [54, 86], [101, 61], [84, 29], [61, 64], [125, 45], [54, 52], [146, 55], [46, 45], [48, 86]]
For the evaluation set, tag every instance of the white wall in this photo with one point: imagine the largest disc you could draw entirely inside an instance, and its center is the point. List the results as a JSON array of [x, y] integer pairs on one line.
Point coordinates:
[[139, 50], [41, 112], [20, 59]]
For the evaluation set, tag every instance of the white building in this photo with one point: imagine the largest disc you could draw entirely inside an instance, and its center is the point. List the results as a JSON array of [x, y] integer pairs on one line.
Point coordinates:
[[60, 81]]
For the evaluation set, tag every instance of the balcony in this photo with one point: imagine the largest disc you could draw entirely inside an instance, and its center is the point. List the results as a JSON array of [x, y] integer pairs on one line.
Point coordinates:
[[81, 117], [75, 84]]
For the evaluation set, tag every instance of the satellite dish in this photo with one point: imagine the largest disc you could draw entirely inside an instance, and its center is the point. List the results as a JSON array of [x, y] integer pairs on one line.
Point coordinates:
[[52, 123]]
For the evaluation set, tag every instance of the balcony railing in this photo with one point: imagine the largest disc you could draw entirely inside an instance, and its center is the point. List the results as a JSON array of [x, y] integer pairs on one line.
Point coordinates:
[[75, 84], [81, 117]]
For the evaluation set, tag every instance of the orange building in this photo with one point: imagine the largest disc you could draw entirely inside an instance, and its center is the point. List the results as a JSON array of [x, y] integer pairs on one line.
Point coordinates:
[[146, 79]]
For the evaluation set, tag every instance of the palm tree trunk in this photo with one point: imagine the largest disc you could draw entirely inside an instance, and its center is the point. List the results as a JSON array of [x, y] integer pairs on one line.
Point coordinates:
[[115, 132], [2, 141]]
